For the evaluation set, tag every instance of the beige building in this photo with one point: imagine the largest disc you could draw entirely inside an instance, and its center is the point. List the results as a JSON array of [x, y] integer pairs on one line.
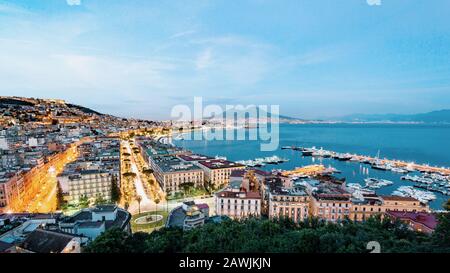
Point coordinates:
[[331, 203], [292, 203], [86, 183], [374, 204], [171, 173], [218, 171]]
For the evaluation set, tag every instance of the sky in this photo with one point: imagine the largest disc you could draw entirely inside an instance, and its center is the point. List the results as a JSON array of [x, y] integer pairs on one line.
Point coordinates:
[[313, 58]]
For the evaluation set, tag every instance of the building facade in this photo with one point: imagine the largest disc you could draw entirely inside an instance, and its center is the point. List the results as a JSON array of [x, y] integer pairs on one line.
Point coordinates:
[[218, 171]]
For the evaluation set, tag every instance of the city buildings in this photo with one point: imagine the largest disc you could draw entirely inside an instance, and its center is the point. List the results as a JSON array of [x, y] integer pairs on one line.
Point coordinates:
[[56, 233], [38, 137], [94, 174]]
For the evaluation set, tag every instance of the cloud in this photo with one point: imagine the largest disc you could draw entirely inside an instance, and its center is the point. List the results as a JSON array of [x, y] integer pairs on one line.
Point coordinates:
[[374, 2], [182, 34], [204, 59], [12, 9], [73, 2]]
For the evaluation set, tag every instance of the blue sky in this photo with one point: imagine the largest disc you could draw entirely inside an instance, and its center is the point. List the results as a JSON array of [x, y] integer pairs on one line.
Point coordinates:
[[314, 58]]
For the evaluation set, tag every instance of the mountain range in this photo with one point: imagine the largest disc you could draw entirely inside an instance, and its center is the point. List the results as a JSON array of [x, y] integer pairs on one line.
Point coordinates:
[[440, 116]]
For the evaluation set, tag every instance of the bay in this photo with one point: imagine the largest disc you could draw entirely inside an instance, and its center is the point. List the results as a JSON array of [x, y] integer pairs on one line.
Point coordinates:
[[420, 143]]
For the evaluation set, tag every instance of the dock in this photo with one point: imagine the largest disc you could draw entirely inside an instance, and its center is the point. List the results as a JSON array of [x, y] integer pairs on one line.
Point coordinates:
[[362, 158]]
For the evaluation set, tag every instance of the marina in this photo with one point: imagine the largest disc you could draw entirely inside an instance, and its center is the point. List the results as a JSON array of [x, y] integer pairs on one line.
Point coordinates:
[[350, 140], [408, 191], [259, 162], [376, 163]]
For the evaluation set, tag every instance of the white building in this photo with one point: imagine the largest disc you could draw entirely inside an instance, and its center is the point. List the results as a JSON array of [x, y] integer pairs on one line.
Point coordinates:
[[92, 222], [87, 183], [4, 143], [238, 204], [32, 142]]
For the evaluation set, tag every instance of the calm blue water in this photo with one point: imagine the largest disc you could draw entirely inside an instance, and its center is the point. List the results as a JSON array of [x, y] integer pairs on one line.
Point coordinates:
[[419, 143]]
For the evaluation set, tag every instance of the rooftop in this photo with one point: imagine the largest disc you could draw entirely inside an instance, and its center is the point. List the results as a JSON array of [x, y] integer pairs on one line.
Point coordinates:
[[173, 164], [220, 164], [241, 173], [195, 157], [398, 198], [45, 241], [240, 194], [427, 219]]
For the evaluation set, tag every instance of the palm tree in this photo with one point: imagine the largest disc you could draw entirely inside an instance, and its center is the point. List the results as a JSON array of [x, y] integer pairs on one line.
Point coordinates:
[[168, 192], [139, 199], [156, 202]]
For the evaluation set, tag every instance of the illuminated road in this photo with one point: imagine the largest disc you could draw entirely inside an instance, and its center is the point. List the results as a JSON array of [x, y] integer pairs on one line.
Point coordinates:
[[146, 203], [45, 200]]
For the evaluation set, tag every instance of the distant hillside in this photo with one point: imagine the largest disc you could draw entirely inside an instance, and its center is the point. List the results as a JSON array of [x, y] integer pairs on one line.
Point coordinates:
[[83, 109], [441, 116], [262, 113], [5, 101]]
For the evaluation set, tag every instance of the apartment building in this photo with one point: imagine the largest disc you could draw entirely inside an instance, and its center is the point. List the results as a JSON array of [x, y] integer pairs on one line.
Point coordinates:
[[373, 204], [292, 203], [331, 202], [87, 183], [218, 171], [171, 172]]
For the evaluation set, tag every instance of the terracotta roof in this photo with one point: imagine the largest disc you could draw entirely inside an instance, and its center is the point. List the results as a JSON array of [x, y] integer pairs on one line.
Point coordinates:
[[241, 173], [220, 164], [427, 219], [245, 195], [398, 198]]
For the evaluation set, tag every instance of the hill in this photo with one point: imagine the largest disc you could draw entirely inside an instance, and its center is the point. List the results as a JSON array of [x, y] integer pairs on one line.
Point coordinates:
[[441, 116], [230, 114]]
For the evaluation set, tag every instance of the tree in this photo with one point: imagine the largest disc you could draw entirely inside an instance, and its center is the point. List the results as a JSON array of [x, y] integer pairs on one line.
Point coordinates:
[[129, 175], [441, 235], [156, 202], [447, 205], [111, 241], [263, 235], [187, 186], [99, 200], [148, 171], [59, 197], [115, 191], [83, 202], [139, 199]]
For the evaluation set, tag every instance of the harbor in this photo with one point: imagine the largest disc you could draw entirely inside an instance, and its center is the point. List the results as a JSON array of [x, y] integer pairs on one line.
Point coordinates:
[[262, 161], [376, 162], [355, 148]]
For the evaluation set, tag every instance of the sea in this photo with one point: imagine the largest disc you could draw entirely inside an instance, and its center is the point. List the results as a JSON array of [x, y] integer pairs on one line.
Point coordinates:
[[420, 143]]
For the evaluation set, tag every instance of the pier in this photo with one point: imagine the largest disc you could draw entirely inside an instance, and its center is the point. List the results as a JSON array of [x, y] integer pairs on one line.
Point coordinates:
[[410, 166]]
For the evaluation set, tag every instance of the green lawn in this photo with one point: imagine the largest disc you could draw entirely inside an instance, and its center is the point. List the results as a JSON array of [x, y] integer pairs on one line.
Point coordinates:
[[148, 227]]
